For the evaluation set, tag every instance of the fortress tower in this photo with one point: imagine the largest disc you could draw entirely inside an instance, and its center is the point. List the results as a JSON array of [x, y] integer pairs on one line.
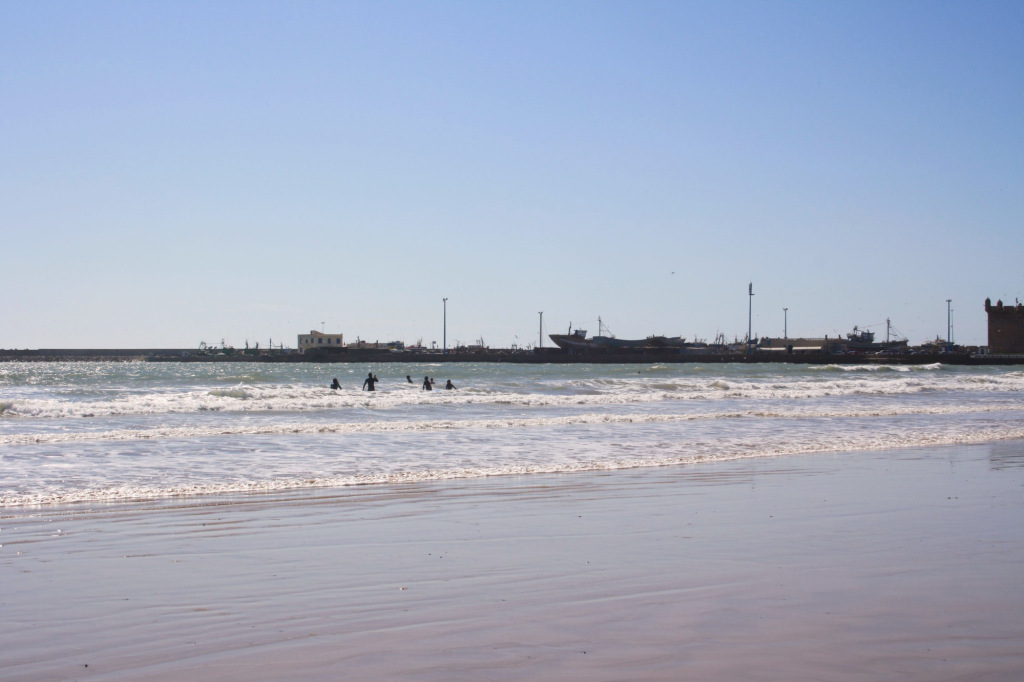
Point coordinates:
[[1005, 328]]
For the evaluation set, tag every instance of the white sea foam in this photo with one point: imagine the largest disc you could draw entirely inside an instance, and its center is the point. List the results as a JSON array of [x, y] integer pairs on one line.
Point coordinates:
[[413, 426], [298, 398], [112, 431], [693, 453]]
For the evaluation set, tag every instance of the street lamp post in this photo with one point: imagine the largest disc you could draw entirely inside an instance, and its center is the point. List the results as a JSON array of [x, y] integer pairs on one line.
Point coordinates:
[[750, 318], [949, 325], [785, 323], [444, 337]]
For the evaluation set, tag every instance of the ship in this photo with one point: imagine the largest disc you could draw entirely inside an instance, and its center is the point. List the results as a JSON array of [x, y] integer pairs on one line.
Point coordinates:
[[862, 340], [577, 340]]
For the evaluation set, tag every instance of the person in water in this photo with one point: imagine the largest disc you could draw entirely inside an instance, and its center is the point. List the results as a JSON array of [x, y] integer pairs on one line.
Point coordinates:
[[449, 386], [335, 385], [427, 385], [369, 381], [408, 378]]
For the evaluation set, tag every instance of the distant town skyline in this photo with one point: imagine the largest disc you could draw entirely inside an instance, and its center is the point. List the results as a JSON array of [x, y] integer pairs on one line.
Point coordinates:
[[248, 171]]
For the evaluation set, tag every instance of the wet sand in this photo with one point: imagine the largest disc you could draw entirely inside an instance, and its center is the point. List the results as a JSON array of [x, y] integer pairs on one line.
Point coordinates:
[[894, 565]]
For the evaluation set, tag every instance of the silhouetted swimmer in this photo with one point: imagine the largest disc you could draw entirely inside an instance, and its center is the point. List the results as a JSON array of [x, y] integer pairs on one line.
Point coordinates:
[[369, 381], [449, 386], [335, 385], [427, 385], [408, 378]]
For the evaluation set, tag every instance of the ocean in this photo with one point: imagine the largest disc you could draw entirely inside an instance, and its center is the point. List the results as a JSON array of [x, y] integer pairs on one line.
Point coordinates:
[[93, 432]]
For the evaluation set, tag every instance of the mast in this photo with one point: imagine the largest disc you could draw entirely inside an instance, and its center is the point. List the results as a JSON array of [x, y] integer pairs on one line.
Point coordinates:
[[949, 325], [750, 317]]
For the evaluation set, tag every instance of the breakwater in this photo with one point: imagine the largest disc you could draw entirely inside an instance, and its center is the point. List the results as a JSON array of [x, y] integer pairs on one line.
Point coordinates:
[[535, 356]]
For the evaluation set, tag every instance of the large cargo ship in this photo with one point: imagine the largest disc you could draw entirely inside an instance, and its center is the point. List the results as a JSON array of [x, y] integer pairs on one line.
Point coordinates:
[[578, 340]]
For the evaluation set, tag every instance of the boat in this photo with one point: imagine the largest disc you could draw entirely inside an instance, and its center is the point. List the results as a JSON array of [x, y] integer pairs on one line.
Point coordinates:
[[668, 342], [862, 340], [612, 342], [577, 340]]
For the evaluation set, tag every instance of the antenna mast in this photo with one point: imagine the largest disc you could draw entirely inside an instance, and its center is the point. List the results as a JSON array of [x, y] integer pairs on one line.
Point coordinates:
[[750, 317]]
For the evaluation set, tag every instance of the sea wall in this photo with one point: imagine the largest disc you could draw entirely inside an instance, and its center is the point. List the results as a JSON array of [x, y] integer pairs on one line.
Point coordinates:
[[537, 356]]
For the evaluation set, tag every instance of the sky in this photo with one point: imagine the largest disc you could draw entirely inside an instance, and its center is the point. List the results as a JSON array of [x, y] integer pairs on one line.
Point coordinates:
[[174, 173]]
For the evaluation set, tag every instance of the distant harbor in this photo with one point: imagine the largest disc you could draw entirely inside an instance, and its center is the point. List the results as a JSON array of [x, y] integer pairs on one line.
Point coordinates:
[[606, 355], [859, 347]]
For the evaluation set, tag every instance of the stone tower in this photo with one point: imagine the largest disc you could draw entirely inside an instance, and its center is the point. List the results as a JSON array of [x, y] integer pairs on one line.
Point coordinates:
[[1005, 328]]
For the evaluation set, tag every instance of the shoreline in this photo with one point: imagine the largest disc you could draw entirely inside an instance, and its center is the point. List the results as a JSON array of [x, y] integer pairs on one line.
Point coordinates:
[[846, 566]]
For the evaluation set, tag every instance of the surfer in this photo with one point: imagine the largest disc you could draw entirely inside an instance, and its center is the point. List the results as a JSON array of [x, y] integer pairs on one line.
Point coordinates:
[[449, 386], [335, 385], [369, 381], [427, 385]]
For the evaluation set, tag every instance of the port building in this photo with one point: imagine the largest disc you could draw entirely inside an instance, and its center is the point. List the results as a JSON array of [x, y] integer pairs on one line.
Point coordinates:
[[315, 339], [1005, 328]]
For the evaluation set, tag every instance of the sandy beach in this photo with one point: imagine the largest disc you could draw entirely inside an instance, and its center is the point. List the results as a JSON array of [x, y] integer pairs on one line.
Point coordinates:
[[892, 564]]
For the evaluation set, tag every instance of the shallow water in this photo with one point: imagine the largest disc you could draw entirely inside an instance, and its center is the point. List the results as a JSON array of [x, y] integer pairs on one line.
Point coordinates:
[[138, 431]]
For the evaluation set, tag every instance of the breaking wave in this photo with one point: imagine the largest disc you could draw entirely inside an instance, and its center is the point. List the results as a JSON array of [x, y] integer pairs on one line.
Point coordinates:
[[412, 426], [297, 398], [693, 453]]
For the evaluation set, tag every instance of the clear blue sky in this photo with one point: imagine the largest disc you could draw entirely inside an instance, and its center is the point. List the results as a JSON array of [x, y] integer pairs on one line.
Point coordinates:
[[177, 172]]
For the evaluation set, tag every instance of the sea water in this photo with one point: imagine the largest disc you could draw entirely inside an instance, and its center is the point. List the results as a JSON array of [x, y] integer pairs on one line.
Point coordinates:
[[123, 432]]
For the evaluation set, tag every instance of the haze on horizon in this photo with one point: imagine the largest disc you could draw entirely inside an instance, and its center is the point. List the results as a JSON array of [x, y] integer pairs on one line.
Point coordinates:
[[172, 173]]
